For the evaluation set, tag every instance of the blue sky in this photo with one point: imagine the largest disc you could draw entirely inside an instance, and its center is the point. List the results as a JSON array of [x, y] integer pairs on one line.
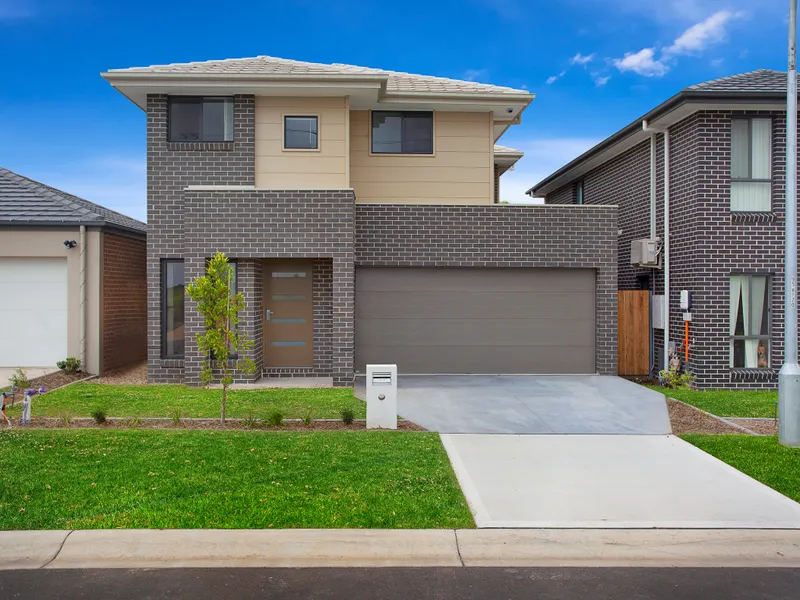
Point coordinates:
[[595, 65]]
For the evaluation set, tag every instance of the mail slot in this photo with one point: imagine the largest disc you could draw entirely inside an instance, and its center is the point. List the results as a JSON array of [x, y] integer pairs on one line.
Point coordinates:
[[381, 396], [381, 379]]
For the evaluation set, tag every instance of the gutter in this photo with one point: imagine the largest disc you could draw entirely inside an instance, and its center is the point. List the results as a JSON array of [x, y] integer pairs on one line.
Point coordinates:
[[682, 97]]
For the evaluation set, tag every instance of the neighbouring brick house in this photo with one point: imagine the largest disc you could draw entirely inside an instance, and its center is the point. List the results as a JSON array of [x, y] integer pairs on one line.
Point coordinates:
[[72, 280], [360, 208], [726, 142]]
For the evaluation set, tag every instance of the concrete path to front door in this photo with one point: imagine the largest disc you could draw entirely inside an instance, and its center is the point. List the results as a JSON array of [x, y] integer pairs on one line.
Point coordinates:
[[560, 404]]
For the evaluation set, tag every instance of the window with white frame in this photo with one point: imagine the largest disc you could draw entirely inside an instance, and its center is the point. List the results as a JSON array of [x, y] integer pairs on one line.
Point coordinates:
[[751, 165], [750, 321]]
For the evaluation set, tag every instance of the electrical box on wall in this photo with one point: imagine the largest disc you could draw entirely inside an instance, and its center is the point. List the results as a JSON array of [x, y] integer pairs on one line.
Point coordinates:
[[686, 299], [645, 253], [657, 316]]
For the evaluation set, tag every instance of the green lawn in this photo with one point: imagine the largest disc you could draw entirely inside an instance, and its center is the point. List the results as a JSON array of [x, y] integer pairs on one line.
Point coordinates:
[[727, 403], [760, 457], [91, 479], [80, 399]]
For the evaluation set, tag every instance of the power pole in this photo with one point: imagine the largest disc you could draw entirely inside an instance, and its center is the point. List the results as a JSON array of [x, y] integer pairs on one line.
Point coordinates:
[[789, 376]]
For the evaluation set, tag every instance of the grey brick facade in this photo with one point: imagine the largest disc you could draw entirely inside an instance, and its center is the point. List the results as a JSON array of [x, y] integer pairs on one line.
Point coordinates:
[[500, 236], [202, 199], [709, 242]]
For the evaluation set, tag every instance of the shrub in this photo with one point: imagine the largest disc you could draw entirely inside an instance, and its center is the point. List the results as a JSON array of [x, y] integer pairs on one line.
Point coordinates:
[[275, 419], [176, 415], [348, 416], [19, 380], [675, 380], [307, 418], [99, 416], [250, 421], [70, 365]]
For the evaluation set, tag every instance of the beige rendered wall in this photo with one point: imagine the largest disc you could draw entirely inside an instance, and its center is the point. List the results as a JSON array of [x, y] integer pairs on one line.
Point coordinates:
[[276, 168], [40, 243], [461, 170]]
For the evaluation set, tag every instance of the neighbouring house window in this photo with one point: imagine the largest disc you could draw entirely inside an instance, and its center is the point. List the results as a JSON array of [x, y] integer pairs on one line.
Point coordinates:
[[172, 303], [750, 321], [200, 119], [300, 133], [579, 192], [402, 132], [751, 160]]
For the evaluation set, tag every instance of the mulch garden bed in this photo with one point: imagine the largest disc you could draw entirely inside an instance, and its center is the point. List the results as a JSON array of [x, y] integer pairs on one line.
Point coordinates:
[[759, 426], [203, 424], [49, 382], [687, 419]]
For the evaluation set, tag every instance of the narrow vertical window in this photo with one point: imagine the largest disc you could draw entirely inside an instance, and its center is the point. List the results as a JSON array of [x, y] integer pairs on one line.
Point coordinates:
[[579, 192], [172, 303], [749, 320]]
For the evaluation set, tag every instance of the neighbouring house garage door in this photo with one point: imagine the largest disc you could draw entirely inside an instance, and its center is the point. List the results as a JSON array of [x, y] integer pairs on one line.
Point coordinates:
[[33, 311], [429, 320]]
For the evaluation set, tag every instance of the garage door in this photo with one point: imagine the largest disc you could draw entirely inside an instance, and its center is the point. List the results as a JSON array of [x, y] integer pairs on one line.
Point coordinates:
[[476, 320], [33, 311]]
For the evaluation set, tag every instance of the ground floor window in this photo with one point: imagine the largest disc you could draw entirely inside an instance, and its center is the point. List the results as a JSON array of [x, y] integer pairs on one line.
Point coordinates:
[[750, 321], [172, 303]]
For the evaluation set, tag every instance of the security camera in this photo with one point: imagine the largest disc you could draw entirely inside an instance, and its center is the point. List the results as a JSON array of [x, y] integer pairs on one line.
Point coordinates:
[[509, 110], [70, 244]]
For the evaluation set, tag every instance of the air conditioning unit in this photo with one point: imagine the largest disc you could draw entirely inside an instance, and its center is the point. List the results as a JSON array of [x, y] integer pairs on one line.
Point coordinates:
[[646, 253]]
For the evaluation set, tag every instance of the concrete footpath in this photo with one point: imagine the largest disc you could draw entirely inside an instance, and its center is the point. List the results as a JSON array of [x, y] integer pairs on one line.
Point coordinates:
[[132, 549]]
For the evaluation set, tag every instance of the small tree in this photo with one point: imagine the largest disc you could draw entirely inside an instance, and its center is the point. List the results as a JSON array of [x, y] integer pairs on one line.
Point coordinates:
[[221, 343]]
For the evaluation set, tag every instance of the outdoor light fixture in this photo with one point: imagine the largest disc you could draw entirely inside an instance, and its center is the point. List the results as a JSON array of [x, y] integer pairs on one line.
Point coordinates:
[[70, 244]]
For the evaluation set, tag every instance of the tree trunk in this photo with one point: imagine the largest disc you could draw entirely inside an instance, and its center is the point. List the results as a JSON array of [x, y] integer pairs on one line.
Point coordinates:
[[224, 401]]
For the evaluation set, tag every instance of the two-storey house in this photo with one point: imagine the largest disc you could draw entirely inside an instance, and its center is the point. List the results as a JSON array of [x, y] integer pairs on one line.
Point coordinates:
[[719, 146], [360, 208]]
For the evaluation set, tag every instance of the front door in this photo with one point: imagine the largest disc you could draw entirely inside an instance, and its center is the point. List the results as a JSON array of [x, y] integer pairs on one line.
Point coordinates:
[[288, 313]]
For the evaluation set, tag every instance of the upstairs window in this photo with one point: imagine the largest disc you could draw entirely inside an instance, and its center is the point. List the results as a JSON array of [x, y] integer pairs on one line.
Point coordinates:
[[751, 165], [402, 132], [200, 119], [579, 192], [301, 133]]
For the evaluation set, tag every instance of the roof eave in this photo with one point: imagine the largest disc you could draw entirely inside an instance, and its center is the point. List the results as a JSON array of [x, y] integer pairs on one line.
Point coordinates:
[[682, 97]]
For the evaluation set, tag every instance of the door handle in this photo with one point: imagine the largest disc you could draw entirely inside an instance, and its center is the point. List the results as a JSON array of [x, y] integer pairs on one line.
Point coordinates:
[[268, 314]]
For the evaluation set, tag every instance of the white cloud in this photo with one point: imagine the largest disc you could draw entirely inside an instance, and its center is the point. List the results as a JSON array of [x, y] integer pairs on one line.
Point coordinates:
[[701, 35], [542, 157], [641, 62], [580, 59], [694, 40], [553, 78], [476, 74], [600, 80]]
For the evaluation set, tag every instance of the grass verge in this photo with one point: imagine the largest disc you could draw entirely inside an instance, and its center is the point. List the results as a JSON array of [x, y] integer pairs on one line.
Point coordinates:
[[80, 399], [761, 458], [727, 403], [90, 479]]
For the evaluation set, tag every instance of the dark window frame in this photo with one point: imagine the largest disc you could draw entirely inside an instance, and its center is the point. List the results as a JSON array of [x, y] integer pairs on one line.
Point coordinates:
[[751, 179], [579, 192], [164, 266], [768, 336], [316, 133], [225, 100], [402, 114]]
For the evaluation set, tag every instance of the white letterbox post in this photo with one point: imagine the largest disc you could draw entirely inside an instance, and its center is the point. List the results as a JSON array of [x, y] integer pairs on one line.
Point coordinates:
[[381, 396]]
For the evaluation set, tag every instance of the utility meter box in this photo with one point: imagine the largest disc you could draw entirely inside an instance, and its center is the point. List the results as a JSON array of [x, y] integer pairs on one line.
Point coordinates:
[[381, 396], [645, 253]]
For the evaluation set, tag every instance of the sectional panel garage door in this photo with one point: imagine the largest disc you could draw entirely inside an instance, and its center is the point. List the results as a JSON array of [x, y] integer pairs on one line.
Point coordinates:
[[449, 320], [33, 311]]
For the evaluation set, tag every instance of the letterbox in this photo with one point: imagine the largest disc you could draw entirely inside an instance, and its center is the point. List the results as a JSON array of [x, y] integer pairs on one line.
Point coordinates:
[[381, 396]]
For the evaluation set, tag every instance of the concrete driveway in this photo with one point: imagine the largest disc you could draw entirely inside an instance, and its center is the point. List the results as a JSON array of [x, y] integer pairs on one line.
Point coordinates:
[[575, 404]]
